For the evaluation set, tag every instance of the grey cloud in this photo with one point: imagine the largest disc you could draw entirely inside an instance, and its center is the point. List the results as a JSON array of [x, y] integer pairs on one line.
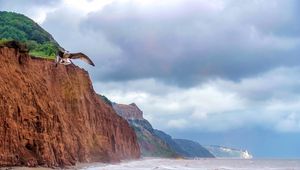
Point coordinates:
[[280, 83], [191, 42]]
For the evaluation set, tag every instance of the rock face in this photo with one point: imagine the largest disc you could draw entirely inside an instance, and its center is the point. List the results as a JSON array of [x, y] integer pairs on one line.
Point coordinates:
[[150, 144], [51, 116], [130, 111], [225, 152], [157, 143]]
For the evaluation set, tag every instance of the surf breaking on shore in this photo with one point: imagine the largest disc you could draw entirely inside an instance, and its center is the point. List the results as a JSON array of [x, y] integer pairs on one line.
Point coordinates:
[[199, 164]]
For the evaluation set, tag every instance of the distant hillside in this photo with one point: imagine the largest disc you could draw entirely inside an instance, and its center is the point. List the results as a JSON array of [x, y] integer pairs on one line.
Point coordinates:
[[193, 149], [157, 143], [183, 147], [150, 144], [14, 26], [169, 140], [225, 152]]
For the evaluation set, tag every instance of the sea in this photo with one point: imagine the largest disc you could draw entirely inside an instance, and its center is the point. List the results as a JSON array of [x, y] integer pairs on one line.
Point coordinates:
[[200, 164]]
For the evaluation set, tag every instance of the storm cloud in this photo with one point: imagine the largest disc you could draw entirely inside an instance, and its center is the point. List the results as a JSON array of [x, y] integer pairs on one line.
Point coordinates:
[[189, 42]]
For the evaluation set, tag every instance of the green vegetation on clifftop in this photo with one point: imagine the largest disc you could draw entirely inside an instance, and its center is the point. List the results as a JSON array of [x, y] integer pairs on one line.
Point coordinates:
[[18, 27]]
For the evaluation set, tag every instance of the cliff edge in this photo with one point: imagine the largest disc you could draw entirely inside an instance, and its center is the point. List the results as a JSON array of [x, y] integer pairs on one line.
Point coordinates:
[[51, 116], [150, 144], [128, 112]]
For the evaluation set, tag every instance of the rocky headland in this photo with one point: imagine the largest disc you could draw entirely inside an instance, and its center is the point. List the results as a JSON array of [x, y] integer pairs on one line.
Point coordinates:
[[51, 116]]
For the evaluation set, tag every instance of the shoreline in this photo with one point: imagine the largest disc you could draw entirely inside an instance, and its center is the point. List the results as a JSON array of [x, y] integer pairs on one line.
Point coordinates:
[[99, 165]]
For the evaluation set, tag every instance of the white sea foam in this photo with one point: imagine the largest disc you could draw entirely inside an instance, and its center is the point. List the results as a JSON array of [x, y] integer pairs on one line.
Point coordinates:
[[201, 164]]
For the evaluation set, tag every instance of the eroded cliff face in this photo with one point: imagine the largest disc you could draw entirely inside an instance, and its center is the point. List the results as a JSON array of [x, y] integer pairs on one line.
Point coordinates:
[[51, 116], [128, 112], [151, 144]]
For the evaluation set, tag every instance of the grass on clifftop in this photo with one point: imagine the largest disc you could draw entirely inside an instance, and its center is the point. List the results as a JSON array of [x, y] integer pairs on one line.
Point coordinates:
[[14, 26], [46, 50]]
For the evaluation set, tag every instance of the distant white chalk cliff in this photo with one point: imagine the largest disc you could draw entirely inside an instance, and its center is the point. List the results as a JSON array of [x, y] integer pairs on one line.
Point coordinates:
[[225, 152]]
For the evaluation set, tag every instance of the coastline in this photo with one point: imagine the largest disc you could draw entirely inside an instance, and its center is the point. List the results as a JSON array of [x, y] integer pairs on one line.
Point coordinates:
[[149, 163]]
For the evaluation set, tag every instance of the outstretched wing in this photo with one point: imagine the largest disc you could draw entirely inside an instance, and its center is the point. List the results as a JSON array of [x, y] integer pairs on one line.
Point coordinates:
[[82, 57]]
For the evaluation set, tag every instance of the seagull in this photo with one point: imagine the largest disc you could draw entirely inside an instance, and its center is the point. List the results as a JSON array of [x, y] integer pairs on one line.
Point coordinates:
[[64, 57]]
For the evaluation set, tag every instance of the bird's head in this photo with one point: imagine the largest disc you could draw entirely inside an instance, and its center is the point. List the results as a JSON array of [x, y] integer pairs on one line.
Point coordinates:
[[66, 52]]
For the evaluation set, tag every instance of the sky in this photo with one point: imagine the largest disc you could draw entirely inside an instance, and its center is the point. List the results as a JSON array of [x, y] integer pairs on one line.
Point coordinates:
[[220, 72]]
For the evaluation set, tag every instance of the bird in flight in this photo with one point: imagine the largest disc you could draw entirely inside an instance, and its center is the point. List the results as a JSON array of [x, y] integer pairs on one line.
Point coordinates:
[[64, 57]]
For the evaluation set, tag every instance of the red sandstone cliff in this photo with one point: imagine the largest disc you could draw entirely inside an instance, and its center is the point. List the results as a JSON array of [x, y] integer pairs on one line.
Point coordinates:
[[128, 111], [51, 116]]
